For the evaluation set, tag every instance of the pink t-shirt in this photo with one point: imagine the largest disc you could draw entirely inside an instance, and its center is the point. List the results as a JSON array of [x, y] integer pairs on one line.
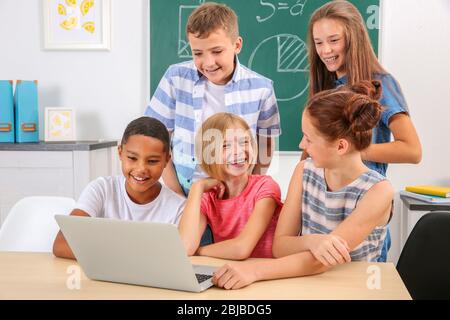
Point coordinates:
[[228, 217]]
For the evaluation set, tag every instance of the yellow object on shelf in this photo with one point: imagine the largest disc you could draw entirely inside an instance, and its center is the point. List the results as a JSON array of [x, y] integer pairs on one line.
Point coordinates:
[[431, 190]]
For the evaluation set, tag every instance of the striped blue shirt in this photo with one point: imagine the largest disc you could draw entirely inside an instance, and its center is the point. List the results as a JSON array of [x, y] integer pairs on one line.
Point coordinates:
[[323, 210], [178, 100]]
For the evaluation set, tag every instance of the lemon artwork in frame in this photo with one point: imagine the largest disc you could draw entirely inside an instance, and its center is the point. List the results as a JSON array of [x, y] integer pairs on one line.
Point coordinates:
[[77, 24], [59, 124]]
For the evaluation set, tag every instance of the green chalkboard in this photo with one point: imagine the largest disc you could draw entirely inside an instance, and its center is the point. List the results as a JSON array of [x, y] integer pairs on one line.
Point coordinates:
[[274, 34]]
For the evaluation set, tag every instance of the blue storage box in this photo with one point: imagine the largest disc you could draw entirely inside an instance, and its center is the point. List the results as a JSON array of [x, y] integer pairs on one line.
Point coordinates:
[[26, 111], [6, 111]]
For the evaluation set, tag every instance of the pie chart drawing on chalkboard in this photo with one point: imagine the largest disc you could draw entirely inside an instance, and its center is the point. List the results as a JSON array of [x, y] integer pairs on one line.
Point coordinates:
[[283, 55], [183, 45]]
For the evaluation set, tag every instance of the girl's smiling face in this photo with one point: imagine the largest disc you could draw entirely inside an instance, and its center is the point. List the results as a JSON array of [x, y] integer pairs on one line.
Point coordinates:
[[321, 151], [329, 40], [237, 152]]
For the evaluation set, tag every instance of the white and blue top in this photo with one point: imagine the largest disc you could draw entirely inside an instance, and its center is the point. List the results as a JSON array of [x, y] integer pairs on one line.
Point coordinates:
[[178, 103], [323, 210]]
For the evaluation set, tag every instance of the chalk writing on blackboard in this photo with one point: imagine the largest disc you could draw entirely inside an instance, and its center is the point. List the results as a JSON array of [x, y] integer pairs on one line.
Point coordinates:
[[272, 8]]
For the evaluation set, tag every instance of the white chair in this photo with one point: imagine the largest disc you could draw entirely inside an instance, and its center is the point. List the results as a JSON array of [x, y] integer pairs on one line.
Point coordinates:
[[31, 226]]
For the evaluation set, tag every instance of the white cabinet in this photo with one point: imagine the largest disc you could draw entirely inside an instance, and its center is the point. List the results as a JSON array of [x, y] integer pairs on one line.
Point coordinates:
[[52, 169]]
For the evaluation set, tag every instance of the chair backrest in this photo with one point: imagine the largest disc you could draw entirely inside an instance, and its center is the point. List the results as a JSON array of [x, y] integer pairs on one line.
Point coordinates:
[[30, 225], [424, 264]]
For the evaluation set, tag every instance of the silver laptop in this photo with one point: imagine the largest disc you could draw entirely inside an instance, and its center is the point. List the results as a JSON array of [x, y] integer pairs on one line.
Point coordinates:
[[140, 253]]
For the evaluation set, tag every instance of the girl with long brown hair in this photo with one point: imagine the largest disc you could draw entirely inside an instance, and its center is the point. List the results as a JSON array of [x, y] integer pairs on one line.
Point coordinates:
[[340, 53]]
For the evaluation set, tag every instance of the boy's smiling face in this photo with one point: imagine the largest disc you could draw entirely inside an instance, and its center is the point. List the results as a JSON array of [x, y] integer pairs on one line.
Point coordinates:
[[214, 55], [143, 161]]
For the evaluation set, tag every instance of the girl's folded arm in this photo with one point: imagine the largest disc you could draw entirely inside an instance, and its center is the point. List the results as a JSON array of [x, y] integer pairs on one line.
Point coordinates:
[[286, 238], [405, 148], [193, 222], [242, 246], [294, 265], [240, 274], [371, 211]]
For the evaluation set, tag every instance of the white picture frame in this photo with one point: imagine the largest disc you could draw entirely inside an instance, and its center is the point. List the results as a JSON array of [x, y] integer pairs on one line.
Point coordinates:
[[77, 24], [60, 124]]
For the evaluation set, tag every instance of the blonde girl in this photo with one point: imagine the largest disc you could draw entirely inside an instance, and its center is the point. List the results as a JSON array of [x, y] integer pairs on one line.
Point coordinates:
[[242, 209]]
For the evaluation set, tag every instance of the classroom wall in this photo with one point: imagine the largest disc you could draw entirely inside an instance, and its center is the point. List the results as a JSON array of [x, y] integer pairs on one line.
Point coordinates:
[[108, 89], [415, 41]]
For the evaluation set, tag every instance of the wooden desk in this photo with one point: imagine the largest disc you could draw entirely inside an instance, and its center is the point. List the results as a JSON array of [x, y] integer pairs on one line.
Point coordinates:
[[409, 204], [42, 276]]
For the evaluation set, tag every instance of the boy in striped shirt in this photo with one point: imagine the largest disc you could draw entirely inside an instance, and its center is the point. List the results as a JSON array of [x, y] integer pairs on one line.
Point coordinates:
[[214, 81]]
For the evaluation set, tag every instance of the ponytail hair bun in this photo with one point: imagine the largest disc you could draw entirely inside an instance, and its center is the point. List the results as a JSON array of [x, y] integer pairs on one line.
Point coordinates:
[[363, 110], [350, 111]]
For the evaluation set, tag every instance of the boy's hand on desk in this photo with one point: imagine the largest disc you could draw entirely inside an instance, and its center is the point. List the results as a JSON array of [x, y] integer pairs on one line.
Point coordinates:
[[329, 249], [234, 276]]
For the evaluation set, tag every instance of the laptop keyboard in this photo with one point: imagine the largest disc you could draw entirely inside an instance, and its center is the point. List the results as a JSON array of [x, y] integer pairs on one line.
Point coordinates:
[[202, 277]]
